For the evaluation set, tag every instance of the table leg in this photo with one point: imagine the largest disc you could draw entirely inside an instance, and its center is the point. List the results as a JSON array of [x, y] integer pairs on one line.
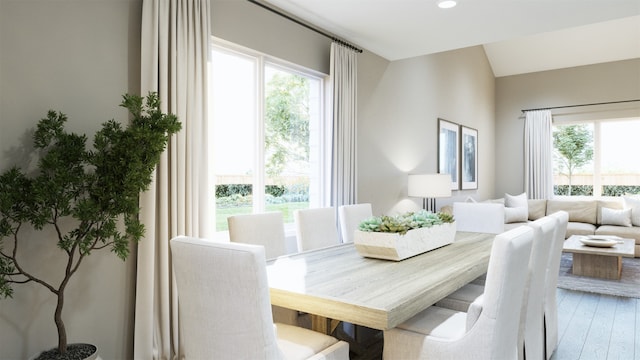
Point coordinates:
[[600, 266], [323, 325]]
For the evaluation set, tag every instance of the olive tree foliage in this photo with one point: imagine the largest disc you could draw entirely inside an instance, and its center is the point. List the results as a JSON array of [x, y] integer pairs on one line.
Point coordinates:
[[573, 148], [287, 122], [88, 196]]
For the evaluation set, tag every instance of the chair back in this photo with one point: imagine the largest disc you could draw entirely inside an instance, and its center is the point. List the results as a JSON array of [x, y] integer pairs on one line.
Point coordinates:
[[350, 218], [532, 318], [266, 229], [315, 228], [223, 300], [551, 282], [479, 217], [504, 288]]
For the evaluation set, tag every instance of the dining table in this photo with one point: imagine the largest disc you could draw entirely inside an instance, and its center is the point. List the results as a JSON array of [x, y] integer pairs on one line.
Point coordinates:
[[337, 284]]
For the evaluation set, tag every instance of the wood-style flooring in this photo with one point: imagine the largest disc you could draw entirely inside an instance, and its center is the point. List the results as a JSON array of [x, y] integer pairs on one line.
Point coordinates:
[[590, 327], [593, 326]]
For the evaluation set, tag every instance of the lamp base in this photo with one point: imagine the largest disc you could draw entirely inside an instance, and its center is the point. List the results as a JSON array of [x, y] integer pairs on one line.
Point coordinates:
[[429, 204]]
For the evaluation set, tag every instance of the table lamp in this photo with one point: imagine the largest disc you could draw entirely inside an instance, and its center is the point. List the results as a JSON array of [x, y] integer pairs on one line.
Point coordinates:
[[429, 187]]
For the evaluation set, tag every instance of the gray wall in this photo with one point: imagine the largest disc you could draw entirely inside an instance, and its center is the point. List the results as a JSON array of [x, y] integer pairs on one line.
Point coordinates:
[[606, 82], [399, 104], [77, 57]]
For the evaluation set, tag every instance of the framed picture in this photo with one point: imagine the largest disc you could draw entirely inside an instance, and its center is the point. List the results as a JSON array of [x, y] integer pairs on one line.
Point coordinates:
[[469, 163], [448, 151]]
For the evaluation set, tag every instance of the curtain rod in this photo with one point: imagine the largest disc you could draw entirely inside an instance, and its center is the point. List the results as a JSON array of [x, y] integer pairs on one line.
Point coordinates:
[[341, 42], [570, 106]]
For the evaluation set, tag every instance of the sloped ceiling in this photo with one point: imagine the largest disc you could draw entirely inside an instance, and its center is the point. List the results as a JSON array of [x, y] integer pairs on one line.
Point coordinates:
[[519, 36]]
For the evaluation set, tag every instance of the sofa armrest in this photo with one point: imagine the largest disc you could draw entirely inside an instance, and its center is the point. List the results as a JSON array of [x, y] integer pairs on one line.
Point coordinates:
[[479, 217]]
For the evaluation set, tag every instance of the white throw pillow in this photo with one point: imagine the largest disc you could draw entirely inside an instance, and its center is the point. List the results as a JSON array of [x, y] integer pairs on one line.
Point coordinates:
[[616, 217], [515, 200], [516, 208], [633, 204], [515, 214]]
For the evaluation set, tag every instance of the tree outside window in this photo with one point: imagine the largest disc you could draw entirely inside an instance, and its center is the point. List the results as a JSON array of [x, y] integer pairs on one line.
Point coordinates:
[[573, 149]]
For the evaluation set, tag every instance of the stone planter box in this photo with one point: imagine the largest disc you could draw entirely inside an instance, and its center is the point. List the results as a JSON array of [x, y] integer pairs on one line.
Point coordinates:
[[393, 246]]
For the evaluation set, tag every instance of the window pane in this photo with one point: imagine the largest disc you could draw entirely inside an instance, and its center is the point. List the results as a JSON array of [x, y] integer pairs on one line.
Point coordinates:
[[292, 105], [233, 111], [620, 169], [573, 159]]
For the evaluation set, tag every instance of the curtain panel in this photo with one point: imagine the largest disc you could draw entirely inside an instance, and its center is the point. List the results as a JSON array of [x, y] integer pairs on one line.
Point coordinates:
[[343, 74], [538, 150], [175, 48]]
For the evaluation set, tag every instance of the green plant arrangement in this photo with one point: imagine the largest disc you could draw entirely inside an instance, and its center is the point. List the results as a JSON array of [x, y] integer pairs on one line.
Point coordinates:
[[404, 222], [88, 196]]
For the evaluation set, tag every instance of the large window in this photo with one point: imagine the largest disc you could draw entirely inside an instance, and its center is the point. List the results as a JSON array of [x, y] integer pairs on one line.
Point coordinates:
[[596, 158], [268, 143]]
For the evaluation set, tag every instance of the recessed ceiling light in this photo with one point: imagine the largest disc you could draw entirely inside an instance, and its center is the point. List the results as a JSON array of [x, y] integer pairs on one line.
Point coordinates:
[[446, 4]]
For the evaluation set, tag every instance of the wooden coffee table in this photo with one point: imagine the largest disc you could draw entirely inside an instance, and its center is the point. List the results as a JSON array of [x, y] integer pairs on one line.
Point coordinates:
[[600, 262]]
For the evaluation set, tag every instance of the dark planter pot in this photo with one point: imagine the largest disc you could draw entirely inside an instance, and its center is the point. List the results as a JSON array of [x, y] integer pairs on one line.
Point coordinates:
[[74, 352]]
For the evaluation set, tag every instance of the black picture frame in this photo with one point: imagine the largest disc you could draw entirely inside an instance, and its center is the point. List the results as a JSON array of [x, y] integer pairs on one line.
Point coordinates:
[[448, 151], [469, 158]]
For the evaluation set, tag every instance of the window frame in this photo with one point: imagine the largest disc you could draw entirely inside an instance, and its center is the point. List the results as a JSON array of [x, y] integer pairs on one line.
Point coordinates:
[[597, 145], [261, 61]]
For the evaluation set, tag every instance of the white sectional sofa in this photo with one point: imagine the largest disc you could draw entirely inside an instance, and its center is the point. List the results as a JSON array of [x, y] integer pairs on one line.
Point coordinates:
[[590, 216], [618, 216]]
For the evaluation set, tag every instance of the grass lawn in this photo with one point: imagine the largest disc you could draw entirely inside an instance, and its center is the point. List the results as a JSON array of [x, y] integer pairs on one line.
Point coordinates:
[[286, 208]]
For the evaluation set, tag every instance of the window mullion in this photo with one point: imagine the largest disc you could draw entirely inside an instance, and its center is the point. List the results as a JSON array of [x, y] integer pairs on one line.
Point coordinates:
[[597, 176], [259, 179]]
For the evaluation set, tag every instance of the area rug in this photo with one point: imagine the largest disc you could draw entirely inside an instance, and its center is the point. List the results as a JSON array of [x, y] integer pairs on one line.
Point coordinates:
[[627, 286]]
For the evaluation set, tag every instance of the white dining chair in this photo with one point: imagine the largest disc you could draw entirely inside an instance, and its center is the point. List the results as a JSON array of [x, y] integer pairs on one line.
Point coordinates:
[[266, 229], [489, 330], [551, 283], [223, 305], [531, 343], [316, 228], [531, 329], [350, 217]]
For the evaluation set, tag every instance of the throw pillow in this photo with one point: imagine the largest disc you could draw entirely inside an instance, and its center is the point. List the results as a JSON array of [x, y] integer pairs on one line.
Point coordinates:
[[633, 204], [616, 217], [515, 214], [516, 208], [515, 200]]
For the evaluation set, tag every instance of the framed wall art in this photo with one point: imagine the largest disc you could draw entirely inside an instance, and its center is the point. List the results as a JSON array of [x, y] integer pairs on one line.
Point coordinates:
[[448, 151], [469, 162]]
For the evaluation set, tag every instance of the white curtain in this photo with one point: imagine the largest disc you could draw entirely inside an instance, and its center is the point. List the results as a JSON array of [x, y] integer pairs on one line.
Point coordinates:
[[538, 150], [344, 81], [175, 49]]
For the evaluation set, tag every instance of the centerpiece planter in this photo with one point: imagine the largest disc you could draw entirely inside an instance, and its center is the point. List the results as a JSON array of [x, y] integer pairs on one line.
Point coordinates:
[[404, 236]]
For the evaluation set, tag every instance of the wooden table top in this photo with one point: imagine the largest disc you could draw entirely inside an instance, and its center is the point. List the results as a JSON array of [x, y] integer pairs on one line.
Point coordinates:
[[337, 283], [574, 245]]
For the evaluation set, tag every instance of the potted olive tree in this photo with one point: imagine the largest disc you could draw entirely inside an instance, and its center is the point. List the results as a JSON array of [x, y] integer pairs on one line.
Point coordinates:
[[88, 196]]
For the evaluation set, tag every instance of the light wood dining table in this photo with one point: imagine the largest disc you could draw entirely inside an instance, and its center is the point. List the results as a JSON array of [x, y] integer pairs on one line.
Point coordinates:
[[338, 283]]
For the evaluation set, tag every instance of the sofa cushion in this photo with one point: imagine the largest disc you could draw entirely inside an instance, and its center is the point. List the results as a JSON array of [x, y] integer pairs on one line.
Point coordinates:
[[620, 217], [579, 210], [515, 214], [579, 228], [622, 231], [516, 208], [633, 203], [537, 208], [611, 203]]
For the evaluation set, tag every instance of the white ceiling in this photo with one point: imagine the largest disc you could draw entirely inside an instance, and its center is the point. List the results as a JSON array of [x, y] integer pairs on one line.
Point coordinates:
[[519, 36]]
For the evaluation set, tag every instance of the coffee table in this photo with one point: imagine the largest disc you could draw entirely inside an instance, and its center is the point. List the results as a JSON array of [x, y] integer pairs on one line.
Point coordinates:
[[600, 262]]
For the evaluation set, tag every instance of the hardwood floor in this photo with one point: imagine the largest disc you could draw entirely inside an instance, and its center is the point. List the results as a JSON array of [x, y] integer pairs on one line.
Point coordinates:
[[592, 326]]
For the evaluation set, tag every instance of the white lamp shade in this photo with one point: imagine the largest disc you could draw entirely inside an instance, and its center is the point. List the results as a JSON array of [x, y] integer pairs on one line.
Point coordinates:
[[429, 185]]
